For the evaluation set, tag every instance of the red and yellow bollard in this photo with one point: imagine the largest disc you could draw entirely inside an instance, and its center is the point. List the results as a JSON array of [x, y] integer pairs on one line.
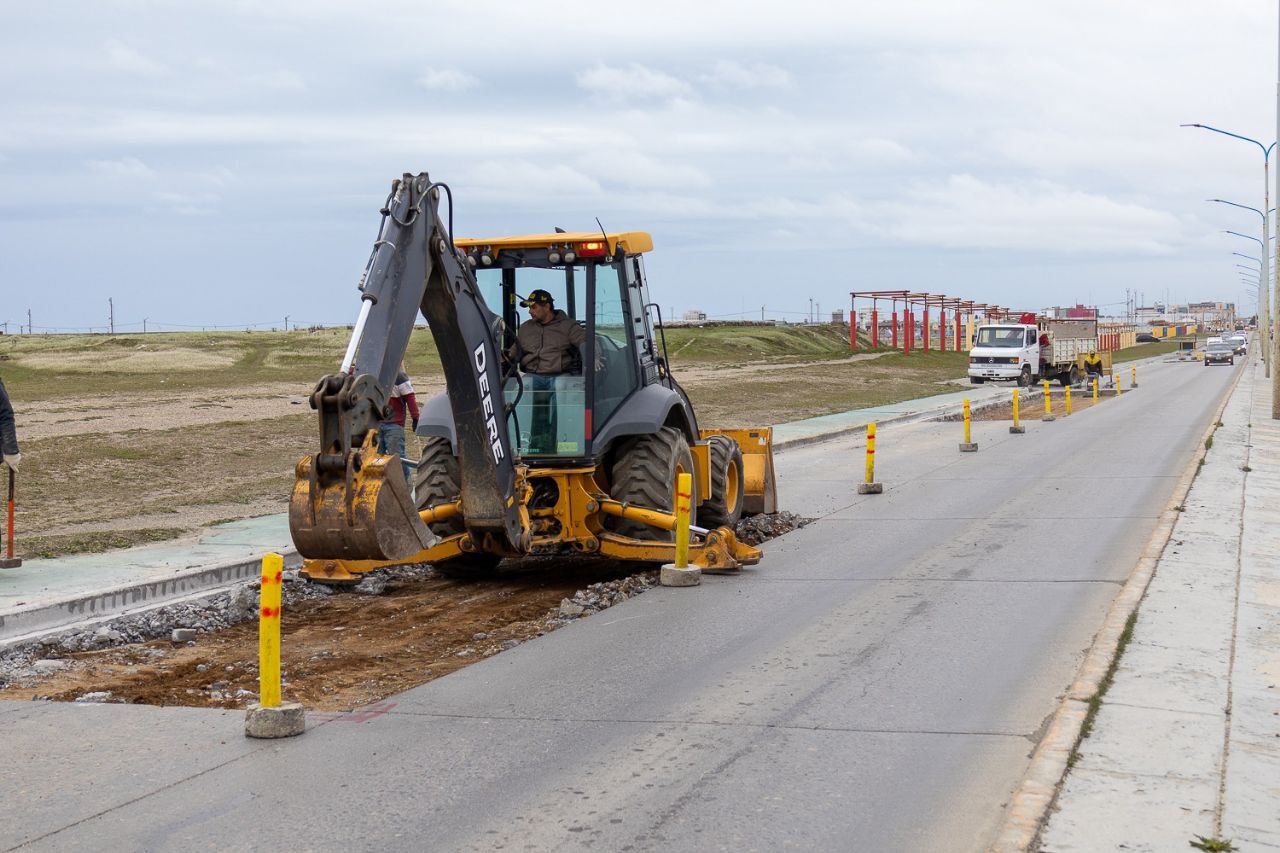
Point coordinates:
[[1048, 404], [680, 573], [1095, 390], [269, 631], [1133, 376], [684, 505], [1068, 399], [1017, 428], [1115, 379], [870, 486], [271, 718], [968, 445]]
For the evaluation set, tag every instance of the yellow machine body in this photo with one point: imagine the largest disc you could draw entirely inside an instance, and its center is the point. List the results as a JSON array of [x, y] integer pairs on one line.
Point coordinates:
[[575, 521]]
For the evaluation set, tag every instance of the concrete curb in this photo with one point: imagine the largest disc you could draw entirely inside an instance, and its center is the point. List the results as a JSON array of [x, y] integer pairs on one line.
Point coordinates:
[[935, 414], [24, 626], [1035, 795]]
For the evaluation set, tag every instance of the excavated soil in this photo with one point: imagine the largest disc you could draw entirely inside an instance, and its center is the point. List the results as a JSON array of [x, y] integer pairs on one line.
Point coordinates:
[[352, 648], [339, 652]]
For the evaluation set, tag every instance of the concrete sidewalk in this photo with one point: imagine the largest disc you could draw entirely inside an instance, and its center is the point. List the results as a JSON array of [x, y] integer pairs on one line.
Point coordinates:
[[1186, 745]]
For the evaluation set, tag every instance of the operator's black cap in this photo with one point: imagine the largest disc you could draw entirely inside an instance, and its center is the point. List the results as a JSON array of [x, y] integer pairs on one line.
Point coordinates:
[[541, 297]]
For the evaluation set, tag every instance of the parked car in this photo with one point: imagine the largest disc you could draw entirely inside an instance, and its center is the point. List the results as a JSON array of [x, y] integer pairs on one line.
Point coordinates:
[[1219, 352], [1145, 338]]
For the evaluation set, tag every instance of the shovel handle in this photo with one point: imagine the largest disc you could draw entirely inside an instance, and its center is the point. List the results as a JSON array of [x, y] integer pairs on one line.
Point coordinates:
[[9, 528]]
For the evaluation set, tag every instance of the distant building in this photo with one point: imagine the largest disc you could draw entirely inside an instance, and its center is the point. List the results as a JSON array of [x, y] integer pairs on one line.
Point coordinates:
[[694, 316]]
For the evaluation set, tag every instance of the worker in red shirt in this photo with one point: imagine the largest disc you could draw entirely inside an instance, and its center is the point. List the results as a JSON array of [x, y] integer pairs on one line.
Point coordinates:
[[391, 431]]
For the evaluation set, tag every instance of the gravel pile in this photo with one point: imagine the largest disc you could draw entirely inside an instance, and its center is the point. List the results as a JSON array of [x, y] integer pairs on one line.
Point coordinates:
[[760, 528]]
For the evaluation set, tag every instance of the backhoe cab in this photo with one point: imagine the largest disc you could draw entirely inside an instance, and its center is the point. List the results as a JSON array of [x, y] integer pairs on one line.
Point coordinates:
[[580, 462]]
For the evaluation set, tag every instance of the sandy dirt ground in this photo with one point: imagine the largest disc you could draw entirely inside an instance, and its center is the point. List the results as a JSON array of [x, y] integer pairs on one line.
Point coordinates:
[[340, 652]]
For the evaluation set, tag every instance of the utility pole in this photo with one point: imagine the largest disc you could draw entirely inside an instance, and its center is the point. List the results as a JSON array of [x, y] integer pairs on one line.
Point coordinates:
[[761, 313], [30, 329], [144, 325], [286, 322], [111, 313]]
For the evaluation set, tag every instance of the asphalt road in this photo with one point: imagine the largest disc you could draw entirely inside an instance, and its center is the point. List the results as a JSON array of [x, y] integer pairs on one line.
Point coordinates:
[[877, 683]]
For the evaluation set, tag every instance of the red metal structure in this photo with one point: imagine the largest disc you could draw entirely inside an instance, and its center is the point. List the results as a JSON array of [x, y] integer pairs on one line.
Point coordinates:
[[903, 330]]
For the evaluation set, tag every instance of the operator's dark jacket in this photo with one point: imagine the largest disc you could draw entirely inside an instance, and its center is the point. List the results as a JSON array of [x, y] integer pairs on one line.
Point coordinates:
[[1092, 366], [552, 348], [8, 430]]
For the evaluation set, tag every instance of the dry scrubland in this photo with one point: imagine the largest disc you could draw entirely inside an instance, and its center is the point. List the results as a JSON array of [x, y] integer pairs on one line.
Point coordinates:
[[138, 438]]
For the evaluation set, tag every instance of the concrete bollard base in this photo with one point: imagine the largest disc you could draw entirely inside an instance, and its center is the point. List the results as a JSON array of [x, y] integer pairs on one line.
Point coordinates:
[[968, 447], [669, 575], [287, 720], [870, 488], [1018, 430], [1048, 418], [11, 564]]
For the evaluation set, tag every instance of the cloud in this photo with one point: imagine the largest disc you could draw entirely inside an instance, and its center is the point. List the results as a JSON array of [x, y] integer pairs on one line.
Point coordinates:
[[124, 167], [447, 80], [188, 204], [125, 58], [728, 74], [966, 212], [631, 82]]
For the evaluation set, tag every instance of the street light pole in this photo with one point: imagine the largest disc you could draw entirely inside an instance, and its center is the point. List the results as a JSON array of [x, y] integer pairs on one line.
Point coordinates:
[[1264, 309]]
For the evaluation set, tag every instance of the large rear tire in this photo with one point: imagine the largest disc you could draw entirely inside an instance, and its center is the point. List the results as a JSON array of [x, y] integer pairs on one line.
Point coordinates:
[[644, 474], [723, 507], [438, 480]]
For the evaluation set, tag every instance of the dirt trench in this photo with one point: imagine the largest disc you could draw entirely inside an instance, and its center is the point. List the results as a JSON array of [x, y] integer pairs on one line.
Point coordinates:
[[356, 646], [339, 652]]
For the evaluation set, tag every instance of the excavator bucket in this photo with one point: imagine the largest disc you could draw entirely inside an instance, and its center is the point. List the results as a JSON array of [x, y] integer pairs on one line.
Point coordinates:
[[364, 513]]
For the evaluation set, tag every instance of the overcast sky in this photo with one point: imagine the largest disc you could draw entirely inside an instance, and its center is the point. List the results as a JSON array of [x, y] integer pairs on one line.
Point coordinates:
[[223, 163]]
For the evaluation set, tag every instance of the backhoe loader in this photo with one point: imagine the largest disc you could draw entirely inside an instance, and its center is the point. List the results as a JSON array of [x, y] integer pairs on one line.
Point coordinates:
[[583, 462]]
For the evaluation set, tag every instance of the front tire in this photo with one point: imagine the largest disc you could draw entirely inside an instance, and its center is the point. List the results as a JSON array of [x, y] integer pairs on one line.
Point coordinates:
[[644, 474], [438, 480], [976, 380], [1024, 378], [723, 507]]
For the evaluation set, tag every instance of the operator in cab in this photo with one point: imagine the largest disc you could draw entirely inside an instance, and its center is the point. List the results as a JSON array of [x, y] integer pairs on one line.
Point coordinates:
[[548, 345], [550, 342]]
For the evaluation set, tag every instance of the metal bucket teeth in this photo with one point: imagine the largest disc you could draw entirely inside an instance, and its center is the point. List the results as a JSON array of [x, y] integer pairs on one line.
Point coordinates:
[[377, 521]]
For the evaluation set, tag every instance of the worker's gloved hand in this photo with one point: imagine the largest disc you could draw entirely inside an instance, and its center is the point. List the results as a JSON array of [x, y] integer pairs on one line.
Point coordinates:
[[13, 460]]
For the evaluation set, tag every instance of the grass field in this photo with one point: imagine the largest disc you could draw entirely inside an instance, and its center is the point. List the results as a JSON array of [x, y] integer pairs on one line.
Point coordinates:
[[138, 438]]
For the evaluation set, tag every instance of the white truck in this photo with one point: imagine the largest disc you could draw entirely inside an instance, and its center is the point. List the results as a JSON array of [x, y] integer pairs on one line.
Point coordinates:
[[1033, 349]]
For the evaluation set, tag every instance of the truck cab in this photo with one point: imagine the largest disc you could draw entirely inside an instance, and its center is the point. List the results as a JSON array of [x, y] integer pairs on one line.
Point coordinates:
[[1005, 351]]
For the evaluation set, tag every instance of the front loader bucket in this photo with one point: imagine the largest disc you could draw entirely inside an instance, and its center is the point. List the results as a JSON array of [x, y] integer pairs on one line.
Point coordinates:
[[760, 486], [365, 515]]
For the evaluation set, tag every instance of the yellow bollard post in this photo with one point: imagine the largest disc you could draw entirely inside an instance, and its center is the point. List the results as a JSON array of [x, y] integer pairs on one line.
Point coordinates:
[[1048, 404], [1133, 376], [271, 718], [968, 445], [269, 631], [684, 498], [1115, 379], [680, 573], [871, 487], [1068, 391], [1095, 390], [1017, 428]]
